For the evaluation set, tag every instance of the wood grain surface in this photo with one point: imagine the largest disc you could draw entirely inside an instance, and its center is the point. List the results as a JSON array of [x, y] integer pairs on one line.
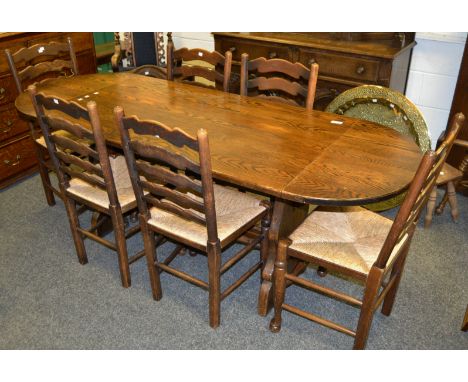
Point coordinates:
[[276, 149]]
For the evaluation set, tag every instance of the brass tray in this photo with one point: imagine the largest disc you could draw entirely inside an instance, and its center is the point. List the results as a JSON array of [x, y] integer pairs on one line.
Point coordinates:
[[386, 107]]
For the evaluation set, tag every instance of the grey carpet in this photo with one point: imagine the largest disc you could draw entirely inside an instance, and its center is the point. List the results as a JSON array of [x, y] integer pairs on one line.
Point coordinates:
[[49, 301]]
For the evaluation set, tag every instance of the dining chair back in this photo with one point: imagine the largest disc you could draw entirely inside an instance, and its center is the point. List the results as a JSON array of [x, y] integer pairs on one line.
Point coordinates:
[[279, 80], [361, 245], [34, 64], [172, 178], [86, 173], [199, 66], [161, 170], [151, 71]]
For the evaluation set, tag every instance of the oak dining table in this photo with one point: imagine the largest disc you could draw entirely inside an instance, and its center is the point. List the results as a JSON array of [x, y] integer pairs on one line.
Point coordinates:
[[293, 156]]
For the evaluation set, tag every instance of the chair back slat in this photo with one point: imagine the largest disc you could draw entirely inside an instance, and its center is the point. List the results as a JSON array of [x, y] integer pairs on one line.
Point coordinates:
[[175, 209], [175, 196], [159, 159], [74, 156], [69, 144], [186, 71], [418, 193], [151, 71], [93, 180], [277, 78], [42, 68], [52, 49], [277, 65], [278, 83], [175, 136], [181, 65], [149, 151], [76, 161], [214, 58], [165, 175]]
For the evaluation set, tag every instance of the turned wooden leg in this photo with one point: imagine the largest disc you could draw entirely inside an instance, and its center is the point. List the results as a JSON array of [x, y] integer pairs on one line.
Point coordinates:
[[70, 206], [452, 199], [121, 244], [151, 258], [265, 242], [465, 321], [430, 207], [285, 219], [214, 282], [374, 280], [280, 285], [44, 173], [440, 208]]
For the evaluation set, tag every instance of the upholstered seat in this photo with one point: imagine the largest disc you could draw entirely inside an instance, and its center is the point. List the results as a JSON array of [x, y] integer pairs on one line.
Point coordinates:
[[233, 210], [351, 237], [100, 197]]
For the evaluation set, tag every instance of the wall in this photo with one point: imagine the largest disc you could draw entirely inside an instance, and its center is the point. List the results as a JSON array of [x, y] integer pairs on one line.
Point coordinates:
[[432, 77]]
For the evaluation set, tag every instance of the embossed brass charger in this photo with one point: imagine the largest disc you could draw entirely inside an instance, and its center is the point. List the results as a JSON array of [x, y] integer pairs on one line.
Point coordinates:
[[389, 108]]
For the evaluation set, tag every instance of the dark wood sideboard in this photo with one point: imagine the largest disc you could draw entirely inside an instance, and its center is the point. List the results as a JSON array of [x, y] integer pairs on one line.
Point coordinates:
[[17, 154], [345, 60]]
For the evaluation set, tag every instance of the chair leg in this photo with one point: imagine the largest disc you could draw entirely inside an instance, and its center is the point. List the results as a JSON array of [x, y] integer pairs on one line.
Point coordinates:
[[373, 283], [279, 280], [430, 207], [121, 243], [452, 199], [440, 208], [214, 282], [264, 245], [44, 173], [70, 206], [397, 270], [151, 259]]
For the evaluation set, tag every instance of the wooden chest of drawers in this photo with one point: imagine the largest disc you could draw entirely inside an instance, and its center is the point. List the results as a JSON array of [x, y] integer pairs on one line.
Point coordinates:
[[17, 155], [345, 60]]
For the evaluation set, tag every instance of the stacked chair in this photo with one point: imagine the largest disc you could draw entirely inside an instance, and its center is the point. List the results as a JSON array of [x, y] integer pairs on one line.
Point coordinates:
[[87, 174]]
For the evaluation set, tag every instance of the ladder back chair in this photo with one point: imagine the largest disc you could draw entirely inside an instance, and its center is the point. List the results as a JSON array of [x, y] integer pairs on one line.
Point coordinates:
[[87, 175], [279, 80], [183, 205], [34, 64], [361, 245], [199, 67]]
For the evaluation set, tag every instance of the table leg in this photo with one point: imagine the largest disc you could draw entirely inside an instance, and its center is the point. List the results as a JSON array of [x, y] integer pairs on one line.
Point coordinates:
[[286, 218]]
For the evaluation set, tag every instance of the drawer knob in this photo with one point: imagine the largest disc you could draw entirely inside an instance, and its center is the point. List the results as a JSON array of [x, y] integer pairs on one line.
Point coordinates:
[[232, 49], [360, 69], [14, 162], [312, 61], [272, 55], [2, 93]]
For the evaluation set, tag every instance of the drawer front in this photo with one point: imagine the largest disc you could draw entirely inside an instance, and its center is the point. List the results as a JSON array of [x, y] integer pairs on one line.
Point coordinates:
[[253, 49], [340, 66], [11, 124], [17, 157], [8, 91]]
